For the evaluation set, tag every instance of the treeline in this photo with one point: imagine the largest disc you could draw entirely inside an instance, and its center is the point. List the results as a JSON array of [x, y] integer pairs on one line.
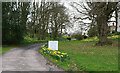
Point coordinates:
[[36, 18], [14, 17], [99, 13]]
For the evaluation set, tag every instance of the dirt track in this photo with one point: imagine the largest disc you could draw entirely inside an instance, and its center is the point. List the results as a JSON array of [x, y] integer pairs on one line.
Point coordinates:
[[26, 58]]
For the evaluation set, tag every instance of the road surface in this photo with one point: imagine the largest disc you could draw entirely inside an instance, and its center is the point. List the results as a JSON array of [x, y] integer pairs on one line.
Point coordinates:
[[26, 58]]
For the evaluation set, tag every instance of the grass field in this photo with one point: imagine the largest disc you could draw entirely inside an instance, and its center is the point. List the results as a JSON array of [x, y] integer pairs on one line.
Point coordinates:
[[4, 49], [94, 58], [26, 41], [88, 57]]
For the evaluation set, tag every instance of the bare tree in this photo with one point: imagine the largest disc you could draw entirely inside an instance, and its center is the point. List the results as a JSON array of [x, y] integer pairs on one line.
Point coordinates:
[[100, 13]]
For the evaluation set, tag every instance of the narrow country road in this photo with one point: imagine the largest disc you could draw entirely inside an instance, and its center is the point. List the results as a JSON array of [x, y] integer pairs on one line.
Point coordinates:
[[26, 58]]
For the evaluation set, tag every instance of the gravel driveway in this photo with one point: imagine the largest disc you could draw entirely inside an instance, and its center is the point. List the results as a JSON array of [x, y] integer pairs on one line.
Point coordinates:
[[26, 58]]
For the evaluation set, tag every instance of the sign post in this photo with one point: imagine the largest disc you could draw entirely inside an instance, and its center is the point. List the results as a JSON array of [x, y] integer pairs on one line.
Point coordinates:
[[53, 45]]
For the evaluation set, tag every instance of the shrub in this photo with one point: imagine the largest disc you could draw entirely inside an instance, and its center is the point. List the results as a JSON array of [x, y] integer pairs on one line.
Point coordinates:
[[113, 34], [79, 37], [69, 38], [115, 37], [118, 33], [92, 32], [85, 37], [91, 39], [61, 39]]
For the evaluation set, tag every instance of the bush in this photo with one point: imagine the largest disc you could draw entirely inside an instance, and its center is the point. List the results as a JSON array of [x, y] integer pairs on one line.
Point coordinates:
[[93, 32], [69, 38], [61, 39], [117, 33], [79, 37], [113, 34], [85, 37]]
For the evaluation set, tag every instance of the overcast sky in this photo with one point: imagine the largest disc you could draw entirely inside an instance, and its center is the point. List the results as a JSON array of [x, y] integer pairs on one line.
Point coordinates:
[[71, 11]]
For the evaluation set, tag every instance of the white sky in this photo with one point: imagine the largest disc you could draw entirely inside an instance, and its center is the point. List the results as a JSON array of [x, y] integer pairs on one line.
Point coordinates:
[[71, 10]]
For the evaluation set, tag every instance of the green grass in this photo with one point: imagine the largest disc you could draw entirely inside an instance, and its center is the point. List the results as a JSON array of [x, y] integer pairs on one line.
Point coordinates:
[[4, 49], [29, 42], [114, 37], [26, 41], [88, 57], [0, 50], [94, 58], [65, 36], [63, 65]]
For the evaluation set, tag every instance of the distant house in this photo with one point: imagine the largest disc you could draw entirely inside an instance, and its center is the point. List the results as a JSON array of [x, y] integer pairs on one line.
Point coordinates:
[[68, 35], [112, 28], [65, 35], [113, 25]]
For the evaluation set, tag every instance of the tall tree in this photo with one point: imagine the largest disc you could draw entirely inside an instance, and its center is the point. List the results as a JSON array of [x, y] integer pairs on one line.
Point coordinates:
[[13, 24], [100, 12], [116, 18], [48, 16], [103, 12]]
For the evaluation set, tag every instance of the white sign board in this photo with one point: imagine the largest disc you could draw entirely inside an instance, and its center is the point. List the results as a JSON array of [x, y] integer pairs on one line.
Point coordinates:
[[118, 29], [53, 45]]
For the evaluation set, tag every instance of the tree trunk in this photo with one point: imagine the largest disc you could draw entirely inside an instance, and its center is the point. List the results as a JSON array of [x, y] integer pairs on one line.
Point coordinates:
[[116, 17], [56, 30], [102, 30], [34, 21], [39, 31], [31, 31], [40, 22], [61, 29]]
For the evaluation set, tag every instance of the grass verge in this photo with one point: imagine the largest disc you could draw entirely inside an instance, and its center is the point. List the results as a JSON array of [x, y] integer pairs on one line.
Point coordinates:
[[4, 49], [85, 56]]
